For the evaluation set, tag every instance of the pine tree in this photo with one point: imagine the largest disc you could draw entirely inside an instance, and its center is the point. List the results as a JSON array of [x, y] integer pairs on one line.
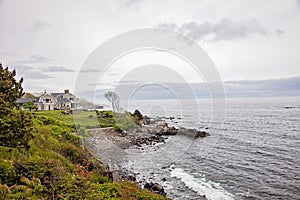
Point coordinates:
[[10, 89], [15, 125]]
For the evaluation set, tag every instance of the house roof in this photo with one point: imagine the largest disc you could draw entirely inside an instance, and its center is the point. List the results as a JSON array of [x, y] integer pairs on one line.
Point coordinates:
[[45, 94], [62, 100], [25, 100], [59, 97], [57, 94], [60, 94]]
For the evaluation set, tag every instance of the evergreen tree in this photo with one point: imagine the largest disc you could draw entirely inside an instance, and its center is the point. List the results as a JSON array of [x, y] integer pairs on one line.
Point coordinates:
[[10, 89], [15, 125]]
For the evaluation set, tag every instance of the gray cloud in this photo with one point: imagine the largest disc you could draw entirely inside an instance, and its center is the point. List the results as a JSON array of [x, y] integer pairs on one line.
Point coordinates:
[[90, 71], [40, 58], [225, 29], [109, 85], [279, 32], [35, 59], [30, 73], [39, 25], [57, 69]]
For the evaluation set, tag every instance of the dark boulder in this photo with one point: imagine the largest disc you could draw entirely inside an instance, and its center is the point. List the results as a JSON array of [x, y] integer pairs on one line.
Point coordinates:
[[166, 130], [148, 185], [155, 187], [138, 114], [158, 188], [131, 177], [172, 131], [201, 134], [147, 120], [193, 133]]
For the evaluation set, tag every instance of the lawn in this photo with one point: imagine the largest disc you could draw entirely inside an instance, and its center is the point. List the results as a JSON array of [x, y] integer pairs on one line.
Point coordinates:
[[87, 119]]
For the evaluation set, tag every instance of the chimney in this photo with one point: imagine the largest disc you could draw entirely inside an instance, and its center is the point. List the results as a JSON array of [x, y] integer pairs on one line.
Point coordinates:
[[66, 91]]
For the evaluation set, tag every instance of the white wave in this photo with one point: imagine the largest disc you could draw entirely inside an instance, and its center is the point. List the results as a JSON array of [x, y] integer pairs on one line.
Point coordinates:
[[211, 190]]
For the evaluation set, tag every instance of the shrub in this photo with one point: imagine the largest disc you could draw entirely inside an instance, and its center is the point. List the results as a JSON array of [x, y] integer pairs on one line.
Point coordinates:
[[106, 191], [16, 128], [7, 174], [97, 178]]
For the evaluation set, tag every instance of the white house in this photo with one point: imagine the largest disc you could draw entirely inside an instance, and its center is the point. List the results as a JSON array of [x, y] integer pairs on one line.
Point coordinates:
[[46, 102], [53, 101], [66, 100]]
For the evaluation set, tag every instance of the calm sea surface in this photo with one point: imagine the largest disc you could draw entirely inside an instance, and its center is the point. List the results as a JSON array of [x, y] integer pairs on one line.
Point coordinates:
[[252, 153]]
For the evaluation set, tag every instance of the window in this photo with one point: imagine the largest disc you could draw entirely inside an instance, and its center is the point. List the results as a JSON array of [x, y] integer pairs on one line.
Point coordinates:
[[47, 100]]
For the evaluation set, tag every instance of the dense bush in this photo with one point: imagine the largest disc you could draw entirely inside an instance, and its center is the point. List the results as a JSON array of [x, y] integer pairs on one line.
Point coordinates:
[[7, 174], [16, 128], [29, 106]]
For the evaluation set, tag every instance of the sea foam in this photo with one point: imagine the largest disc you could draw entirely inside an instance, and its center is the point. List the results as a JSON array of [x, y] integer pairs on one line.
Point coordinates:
[[211, 190]]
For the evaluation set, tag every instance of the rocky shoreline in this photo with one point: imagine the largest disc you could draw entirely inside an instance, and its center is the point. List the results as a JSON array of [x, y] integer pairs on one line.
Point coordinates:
[[145, 134], [149, 132]]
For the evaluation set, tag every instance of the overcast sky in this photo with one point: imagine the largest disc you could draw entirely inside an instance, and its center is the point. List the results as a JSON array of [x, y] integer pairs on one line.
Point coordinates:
[[48, 41]]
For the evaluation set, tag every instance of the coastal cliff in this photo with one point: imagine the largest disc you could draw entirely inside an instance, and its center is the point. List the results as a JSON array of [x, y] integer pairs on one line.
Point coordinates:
[[42, 158], [56, 167]]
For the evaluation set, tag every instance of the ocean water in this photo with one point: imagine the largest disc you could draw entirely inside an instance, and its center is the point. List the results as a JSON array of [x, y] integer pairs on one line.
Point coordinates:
[[252, 153]]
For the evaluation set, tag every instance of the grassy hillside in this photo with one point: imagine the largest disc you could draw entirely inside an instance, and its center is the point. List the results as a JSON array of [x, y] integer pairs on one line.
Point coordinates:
[[56, 167], [87, 119]]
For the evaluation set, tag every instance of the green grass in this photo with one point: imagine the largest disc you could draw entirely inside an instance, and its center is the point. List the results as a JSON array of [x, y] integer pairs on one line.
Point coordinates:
[[87, 119]]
